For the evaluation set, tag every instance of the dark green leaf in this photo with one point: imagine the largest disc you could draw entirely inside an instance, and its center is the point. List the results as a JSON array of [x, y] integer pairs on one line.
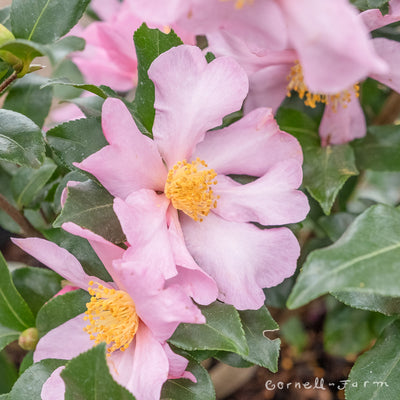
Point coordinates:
[[29, 385], [21, 140], [262, 351], [61, 309], [45, 21], [27, 98], [8, 373], [326, 169], [222, 331], [87, 377], [184, 389], [376, 374], [7, 336], [75, 140], [26, 362], [90, 206], [363, 264], [27, 182], [66, 82], [14, 312], [36, 285], [294, 333], [5, 17], [380, 149], [335, 225], [149, 44], [82, 250]]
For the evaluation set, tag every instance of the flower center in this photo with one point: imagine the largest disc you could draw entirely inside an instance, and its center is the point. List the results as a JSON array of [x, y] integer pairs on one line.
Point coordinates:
[[239, 4], [296, 83], [188, 187], [112, 317]]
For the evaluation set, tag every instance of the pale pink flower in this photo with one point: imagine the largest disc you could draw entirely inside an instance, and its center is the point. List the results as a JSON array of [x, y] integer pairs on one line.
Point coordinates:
[[148, 176], [139, 357]]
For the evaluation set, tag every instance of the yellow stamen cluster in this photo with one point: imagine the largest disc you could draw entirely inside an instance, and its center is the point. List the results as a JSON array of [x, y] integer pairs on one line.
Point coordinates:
[[239, 4], [112, 317], [296, 83], [188, 187]]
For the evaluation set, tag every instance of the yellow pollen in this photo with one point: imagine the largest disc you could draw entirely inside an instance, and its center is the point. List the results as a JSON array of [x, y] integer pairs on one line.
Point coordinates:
[[296, 83], [188, 187], [112, 317], [239, 4]]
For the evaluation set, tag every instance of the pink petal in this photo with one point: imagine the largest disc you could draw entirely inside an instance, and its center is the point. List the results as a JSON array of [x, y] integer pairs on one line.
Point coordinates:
[[177, 365], [196, 283], [249, 146], [131, 161], [56, 258], [106, 251], [54, 387], [161, 309], [269, 200], [64, 342], [374, 19], [143, 220], [142, 368], [388, 50], [344, 124], [332, 43], [192, 97], [240, 257]]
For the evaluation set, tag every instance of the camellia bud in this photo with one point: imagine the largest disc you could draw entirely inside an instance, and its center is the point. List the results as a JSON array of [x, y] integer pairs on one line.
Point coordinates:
[[28, 339]]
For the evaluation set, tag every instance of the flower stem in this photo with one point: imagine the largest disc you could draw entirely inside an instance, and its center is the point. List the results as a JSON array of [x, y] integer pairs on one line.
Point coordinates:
[[390, 110], [8, 82]]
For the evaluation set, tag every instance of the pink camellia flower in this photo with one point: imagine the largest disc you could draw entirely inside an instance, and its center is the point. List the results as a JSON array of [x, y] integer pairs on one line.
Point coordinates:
[[135, 315], [183, 176]]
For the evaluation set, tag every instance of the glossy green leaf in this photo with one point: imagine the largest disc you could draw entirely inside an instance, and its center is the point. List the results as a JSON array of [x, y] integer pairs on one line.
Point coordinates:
[[97, 90], [14, 312], [36, 285], [21, 140], [262, 351], [45, 21], [364, 265], [222, 331], [8, 373], [28, 183], [325, 169], [380, 149], [7, 336], [75, 140], [184, 389], [376, 374], [29, 385], [82, 250], [149, 44], [26, 97], [60, 309], [87, 377], [90, 206]]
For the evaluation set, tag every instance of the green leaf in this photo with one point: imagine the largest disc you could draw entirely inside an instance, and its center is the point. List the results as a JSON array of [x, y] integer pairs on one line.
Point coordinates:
[[28, 183], [376, 374], [5, 17], [325, 169], [36, 285], [66, 70], [364, 265], [60, 49], [184, 389], [84, 86], [380, 149], [26, 97], [7, 336], [91, 106], [335, 225], [45, 21], [149, 44], [342, 338], [222, 331], [21, 140], [90, 206], [29, 385], [14, 312], [26, 362], [75, 140], [87, 377], [262, 351], [61, 309], [8, 373], [294, 333]]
